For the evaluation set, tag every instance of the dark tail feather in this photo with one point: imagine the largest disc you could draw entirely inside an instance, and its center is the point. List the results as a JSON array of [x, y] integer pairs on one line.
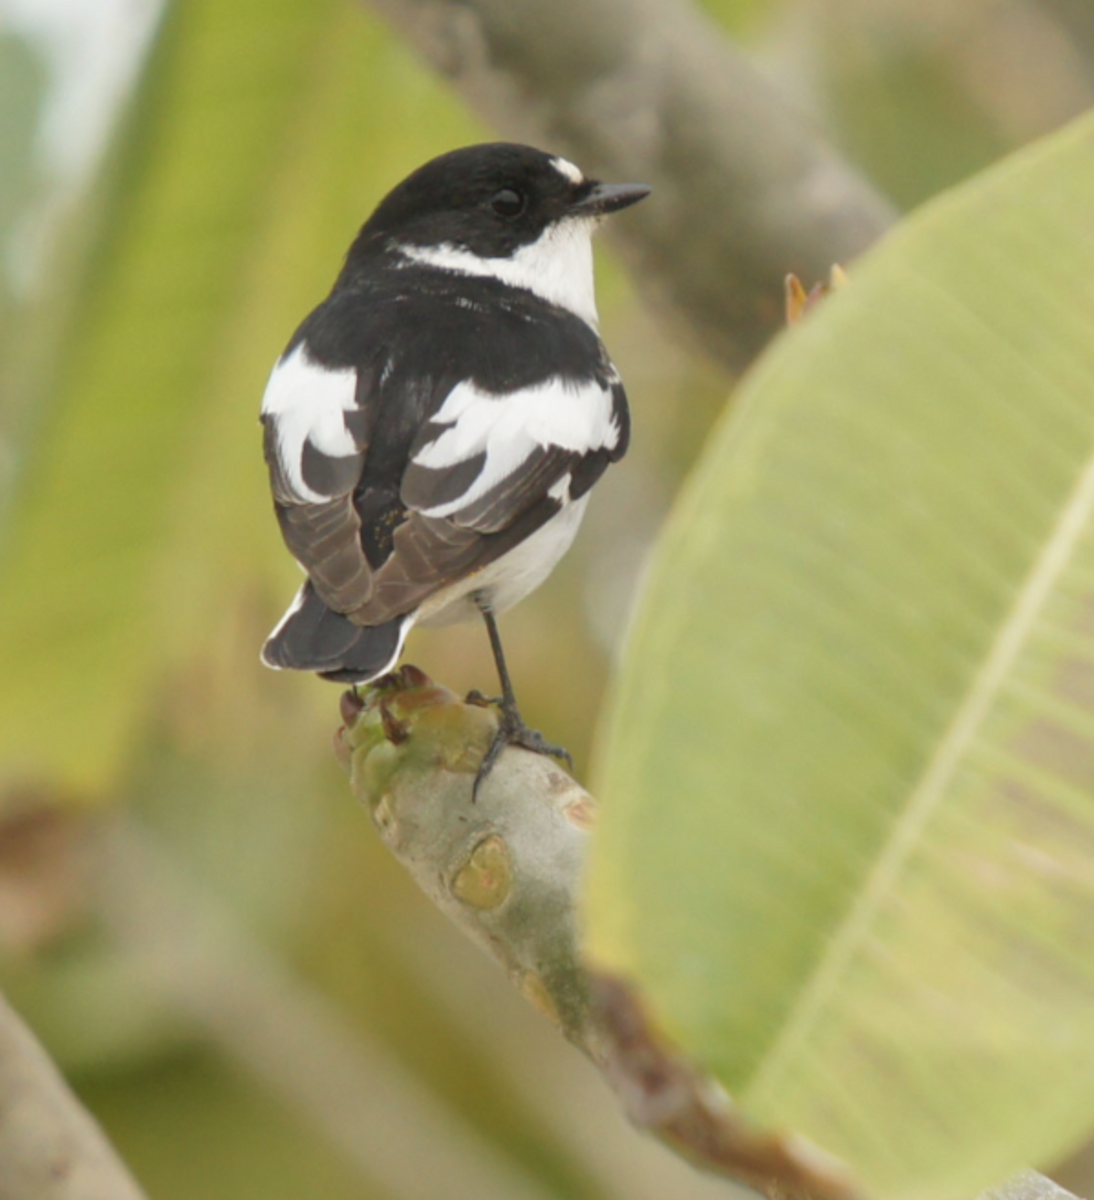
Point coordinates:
[[312, 637]]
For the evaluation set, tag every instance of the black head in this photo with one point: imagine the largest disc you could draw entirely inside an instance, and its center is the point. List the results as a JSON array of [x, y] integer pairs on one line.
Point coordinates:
[[490, 200]]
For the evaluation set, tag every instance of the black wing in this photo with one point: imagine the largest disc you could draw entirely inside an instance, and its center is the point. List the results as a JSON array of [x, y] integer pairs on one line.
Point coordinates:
[[396, 473]]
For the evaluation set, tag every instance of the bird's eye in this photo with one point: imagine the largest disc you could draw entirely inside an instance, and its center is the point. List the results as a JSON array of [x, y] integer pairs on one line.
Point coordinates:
[[508, 203]]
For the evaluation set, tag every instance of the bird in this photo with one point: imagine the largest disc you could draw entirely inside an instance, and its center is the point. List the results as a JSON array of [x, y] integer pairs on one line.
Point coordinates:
[[434, 427]]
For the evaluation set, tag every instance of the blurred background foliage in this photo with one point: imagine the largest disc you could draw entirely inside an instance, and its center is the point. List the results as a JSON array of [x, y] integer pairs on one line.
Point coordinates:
[[178, 183]]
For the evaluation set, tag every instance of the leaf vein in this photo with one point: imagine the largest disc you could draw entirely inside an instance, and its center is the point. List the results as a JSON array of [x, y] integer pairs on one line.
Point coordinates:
[[925, 797]]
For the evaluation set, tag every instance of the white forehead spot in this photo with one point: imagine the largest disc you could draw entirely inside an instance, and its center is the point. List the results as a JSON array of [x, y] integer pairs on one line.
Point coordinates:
[[565, 167]]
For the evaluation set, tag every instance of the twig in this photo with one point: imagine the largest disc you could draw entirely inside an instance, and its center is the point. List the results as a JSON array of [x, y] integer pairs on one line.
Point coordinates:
[[50, 1147], [745, 188], [568, 1101]]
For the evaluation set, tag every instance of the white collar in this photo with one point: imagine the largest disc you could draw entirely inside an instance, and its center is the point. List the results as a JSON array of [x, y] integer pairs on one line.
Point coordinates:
[[558, 266]]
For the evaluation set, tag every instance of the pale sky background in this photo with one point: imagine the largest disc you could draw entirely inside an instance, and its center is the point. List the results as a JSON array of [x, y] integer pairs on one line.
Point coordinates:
[[93, 49]]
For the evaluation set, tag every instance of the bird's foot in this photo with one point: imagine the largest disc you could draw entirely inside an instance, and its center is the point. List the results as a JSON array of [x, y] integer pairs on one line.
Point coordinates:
[[512, 731], [532, 739], [475, 697]]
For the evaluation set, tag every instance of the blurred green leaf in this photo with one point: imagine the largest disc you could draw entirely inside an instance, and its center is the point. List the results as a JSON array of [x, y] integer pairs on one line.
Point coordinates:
[[255, 150], [744, 18], [22, 89], [848, 841]]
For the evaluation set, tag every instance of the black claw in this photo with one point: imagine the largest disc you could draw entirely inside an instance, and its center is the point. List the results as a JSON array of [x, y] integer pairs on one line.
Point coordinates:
[[512, 731], [532, 739], [499, 743]]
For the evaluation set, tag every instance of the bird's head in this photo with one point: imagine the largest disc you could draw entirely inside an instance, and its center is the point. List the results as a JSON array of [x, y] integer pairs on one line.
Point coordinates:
[[509, 211]]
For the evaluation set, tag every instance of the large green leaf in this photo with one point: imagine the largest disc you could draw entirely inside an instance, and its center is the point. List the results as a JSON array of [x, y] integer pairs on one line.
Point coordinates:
[[264, 133], [848, 842]]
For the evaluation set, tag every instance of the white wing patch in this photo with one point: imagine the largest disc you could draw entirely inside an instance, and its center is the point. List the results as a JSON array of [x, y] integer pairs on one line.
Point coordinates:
[[308, 403], [509, 429]]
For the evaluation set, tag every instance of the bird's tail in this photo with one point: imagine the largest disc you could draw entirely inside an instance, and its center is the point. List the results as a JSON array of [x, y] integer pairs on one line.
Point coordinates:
[[312, 637]]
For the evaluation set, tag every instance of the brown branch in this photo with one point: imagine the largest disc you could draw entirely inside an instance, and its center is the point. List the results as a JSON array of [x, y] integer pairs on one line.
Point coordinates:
[[50, 1147], [506, 869], [745, 189], [1075, 18]]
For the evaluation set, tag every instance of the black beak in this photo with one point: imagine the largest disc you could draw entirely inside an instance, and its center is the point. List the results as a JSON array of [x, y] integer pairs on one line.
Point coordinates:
[[609, 198]]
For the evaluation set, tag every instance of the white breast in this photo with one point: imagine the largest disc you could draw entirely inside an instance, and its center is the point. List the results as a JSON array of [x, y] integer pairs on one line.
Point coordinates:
[[508, 579]]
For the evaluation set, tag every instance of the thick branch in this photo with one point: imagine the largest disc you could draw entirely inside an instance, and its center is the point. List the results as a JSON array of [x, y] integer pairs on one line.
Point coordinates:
[[506, 869], [1076, 19], [50, 1147], [745, 190]]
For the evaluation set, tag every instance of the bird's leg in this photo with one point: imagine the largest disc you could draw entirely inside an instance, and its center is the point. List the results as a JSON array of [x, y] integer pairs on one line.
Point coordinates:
[[512, 730]]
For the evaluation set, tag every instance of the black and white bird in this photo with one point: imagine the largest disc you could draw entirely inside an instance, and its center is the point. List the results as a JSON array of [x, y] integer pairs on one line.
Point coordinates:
[[433, 428]]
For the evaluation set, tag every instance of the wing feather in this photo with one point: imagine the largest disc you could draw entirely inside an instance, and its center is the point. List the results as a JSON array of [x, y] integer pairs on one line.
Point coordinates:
[[389, 488], [522, 444], [315, 440]]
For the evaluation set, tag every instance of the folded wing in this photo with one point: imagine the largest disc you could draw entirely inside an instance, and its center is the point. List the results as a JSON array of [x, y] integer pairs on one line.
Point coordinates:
[[382, 514]]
